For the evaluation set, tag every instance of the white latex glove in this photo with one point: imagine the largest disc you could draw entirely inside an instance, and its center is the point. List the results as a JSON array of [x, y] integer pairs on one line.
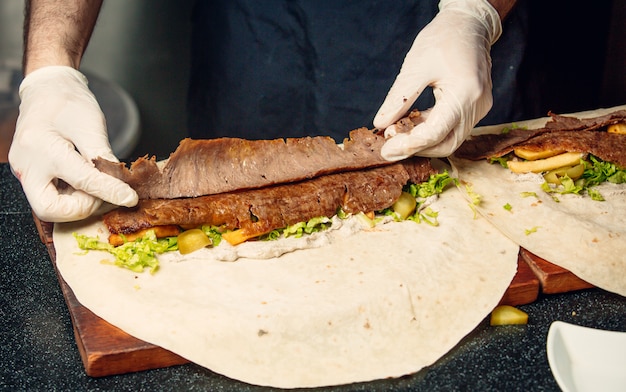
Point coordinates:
[[60, 129], [451, 54]]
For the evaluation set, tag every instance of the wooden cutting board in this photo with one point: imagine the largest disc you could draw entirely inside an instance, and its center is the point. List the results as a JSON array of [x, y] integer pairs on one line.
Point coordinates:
[[552, 278], [107, 350]]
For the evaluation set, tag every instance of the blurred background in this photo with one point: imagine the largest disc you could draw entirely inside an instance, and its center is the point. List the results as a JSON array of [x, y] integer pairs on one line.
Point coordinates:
[[138, 60], [141, 46]]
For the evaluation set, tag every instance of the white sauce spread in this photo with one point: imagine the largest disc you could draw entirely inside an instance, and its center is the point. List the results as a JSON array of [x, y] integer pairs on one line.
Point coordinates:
[[270, 249]]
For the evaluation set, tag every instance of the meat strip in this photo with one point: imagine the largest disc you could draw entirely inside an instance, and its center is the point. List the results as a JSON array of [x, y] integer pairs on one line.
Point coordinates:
[[567, 123], [212, 166], [269, 208], [495, 145], [610, 147]]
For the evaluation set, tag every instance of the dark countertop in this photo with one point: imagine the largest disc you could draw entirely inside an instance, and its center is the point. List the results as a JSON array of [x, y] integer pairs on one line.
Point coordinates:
[[38, 350]]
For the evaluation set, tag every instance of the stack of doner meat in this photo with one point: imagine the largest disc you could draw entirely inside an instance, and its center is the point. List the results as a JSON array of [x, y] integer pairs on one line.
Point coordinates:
[[256, 186]]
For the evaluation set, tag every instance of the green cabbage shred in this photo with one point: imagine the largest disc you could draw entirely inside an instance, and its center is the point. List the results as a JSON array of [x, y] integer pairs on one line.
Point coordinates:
[[133, 255], [596, 172], [435, 184]]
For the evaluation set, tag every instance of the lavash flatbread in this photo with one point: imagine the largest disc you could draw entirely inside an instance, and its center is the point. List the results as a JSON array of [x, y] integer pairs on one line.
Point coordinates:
[[376, 304], [583, 236]]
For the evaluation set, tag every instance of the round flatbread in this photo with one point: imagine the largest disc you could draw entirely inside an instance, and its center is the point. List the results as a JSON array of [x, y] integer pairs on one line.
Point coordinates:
[[380, 303], [584, 236]]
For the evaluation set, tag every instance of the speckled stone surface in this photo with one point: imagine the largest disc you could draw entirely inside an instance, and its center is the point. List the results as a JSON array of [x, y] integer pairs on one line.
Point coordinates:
[[38, 350]]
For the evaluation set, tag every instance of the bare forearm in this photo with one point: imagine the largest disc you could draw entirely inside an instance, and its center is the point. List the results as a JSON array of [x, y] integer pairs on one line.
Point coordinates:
[[503, 7], [56, 32]]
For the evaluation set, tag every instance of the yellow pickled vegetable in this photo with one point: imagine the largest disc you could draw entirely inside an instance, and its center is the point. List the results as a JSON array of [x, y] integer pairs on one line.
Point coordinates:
[[531, 155], [404, 206], [192, 240], [573, 172], [541, 165], [506, 315], [617, 128]]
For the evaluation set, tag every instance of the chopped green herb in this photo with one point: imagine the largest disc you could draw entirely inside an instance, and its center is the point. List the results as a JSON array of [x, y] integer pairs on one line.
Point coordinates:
[[507, 207]]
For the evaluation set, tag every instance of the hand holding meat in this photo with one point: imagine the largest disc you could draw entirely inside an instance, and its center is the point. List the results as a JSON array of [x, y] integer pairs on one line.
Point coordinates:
[[59, 131], [452, 55]]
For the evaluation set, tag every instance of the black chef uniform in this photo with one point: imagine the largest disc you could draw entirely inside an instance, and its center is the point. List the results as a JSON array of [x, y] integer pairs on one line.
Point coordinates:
[[263, 69]]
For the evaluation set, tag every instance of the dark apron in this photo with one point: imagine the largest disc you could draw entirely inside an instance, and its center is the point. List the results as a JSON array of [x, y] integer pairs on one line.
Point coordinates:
[[280, 68]]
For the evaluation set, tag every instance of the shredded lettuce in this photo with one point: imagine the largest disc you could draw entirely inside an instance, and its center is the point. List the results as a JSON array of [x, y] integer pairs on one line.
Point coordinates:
[[567, 186], [531, 230], [313, 225], [596, 172], [272, 235], [594, 194], [476, 198], [133, 255], [435, 184], [342, 214], [513, 126], [297, 230], [214, 233], [427, 215], [503, 161]]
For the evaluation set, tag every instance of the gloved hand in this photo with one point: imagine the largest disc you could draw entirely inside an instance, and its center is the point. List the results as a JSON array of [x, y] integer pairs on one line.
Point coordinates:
[[451, 54], [60, 129]]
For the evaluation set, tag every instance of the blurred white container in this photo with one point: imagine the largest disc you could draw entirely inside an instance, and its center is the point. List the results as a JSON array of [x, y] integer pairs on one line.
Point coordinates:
[[119, 108]]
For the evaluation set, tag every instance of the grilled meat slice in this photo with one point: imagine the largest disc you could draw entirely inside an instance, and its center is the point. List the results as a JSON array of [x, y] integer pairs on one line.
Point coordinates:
[[561, 132], [269, 208], [212, 166], [610, 147]]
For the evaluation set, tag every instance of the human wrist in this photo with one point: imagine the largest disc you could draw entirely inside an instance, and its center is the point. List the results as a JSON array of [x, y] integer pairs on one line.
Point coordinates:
[[49, 73], [33, 63]]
